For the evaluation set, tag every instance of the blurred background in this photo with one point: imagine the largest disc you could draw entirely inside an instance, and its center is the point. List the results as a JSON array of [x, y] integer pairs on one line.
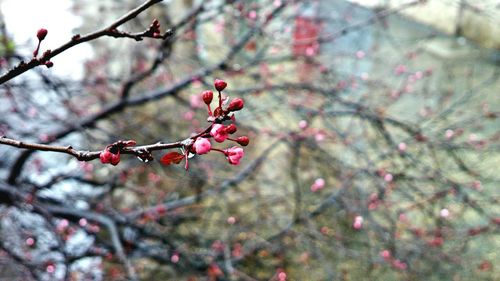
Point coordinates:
[[374, 139]]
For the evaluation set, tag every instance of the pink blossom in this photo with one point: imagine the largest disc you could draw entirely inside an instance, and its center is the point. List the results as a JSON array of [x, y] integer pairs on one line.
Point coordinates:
[[202, 146], [236, 104], [444, 213], [220, 84], [207, 97], [358, 222], [252, 15], [219, 132], [388, 177], [107, 157], [51, 268], [82, 222], [62, 225], [174, 258], [234, 155], [403, 217], [30, 241], [400, 69], [402, 146], [319, 136], [41, 34], [419, 75], [303, 124], [386, 254], [282, 276], [318, 184], [449, 134]]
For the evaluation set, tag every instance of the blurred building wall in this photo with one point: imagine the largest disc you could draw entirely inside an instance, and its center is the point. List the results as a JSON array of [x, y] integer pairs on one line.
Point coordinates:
[[478, 20]]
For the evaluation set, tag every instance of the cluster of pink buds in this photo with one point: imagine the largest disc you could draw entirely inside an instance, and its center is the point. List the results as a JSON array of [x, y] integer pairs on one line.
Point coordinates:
[[199, 144], [111, 154], [218, 131]]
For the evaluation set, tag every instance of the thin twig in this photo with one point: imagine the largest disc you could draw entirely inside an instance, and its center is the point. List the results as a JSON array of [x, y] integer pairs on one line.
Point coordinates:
[[107, 31]]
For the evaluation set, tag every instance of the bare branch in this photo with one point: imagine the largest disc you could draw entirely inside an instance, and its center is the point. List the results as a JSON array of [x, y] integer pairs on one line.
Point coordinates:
[[107, 31]]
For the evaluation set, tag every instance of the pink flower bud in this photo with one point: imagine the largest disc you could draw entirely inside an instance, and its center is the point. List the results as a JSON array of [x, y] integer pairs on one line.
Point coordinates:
[[220, 84], [243, 140], [105, 157], [234, 155], [303, 124], [42, 32], [318, 184], [402, 147], [231, 129], [202, 146], [115, 159], [49, 64], [386, 254], [30, 241], [51, 268], [236, 104], [218, 132], [388, 177], [358, 222], [444, 213], [207, 97]]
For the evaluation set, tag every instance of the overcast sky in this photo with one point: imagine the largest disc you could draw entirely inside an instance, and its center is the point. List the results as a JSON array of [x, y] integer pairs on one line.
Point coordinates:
[[24, 17]]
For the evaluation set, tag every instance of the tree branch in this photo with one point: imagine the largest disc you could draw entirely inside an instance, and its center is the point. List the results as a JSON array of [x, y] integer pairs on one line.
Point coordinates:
[[75, 40]]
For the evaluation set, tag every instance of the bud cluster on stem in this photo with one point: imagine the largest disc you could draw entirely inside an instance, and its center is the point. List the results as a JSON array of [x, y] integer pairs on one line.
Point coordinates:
[[111, 154], [41, 34], [217, 131], [154, 28], [198, 144]]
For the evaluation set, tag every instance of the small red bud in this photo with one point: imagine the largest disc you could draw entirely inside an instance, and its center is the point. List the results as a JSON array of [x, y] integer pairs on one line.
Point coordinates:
[[243, 140], [231, 129], [161, 210], [220, 84], [105, 156], [42, 32], [115, 159], [236, 105], [207, 96], [49, 64], [218, 112]]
